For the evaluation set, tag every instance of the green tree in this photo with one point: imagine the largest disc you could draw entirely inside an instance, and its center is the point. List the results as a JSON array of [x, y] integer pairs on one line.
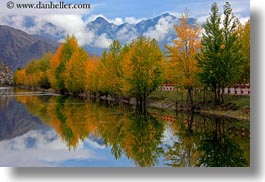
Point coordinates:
[[244, 34], [220, 59], [142, 69], [44, 64], [232, 55], [102, 70], [112, 68]]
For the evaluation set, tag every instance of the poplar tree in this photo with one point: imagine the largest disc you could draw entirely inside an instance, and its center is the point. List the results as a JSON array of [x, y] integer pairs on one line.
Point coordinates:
[[183, 52], [142, 69], [220, 59]]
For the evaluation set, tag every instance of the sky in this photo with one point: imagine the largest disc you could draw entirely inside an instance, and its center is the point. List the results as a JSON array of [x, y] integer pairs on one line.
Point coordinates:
[[126, 10], [150, 8], [115, 11]]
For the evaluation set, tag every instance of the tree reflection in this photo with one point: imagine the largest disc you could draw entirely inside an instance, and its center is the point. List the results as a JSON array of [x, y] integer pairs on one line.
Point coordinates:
[[197, 140], [220, 150], [184, 151], [147, 134], [136, 136], [204, 144]]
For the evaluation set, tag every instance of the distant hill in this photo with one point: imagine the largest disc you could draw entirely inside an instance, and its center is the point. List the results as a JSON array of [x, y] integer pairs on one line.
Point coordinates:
[[18, 47]]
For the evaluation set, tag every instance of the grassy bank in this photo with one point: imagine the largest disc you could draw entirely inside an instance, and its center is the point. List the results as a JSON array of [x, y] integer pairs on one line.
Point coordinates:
[[235, 106]]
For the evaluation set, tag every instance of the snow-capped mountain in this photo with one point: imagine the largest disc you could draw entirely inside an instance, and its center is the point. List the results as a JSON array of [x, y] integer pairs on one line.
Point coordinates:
[[97, 35]]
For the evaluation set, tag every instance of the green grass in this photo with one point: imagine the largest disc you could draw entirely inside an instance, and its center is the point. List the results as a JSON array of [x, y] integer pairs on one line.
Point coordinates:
[[235, 106]]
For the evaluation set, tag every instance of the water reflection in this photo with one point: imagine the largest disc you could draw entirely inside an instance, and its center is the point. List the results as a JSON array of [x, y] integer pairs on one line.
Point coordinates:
[[184, 152], [156, 139], [219, 150]]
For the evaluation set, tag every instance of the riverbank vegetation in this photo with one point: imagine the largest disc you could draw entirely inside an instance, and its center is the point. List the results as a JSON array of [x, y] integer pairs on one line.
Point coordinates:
[[211, 58]]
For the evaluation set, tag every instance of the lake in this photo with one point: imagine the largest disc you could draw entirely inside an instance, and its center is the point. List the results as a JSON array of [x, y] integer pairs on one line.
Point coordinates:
[[42, 129]]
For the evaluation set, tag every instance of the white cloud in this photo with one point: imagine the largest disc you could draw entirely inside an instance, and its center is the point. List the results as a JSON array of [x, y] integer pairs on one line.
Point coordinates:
[[243, 20], [202, 19], [102, 41], [118, 21], [72, 25], [132, 20], [161, 29], [47, 149], [95, 16], [64, 25], [127, 33]]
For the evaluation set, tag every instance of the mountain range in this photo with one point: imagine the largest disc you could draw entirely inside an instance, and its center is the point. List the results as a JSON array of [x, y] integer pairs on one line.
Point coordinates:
[[18, 47]]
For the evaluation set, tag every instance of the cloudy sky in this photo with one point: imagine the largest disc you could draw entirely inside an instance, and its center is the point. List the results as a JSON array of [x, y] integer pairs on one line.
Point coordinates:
[[126, 10], [151, 8], [115, 11]]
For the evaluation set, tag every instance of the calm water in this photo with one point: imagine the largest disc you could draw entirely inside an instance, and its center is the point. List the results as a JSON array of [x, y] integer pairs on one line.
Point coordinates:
[[39, 129]]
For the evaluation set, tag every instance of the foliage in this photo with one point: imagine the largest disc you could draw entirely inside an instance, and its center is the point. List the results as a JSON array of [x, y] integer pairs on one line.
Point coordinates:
[[54, 63], [220, 58], [35, 73], [142, 68], [138, 68], [111, 68], [75, 71], [244, 35], [183, 52], [68, 49]]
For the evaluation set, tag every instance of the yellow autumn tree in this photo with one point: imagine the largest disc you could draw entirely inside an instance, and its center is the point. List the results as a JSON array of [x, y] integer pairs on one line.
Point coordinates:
[[54, 63], [57, 64], [33, 74], [183, 52], [102, 73], [20, 77], [75, 71], [92, 75]]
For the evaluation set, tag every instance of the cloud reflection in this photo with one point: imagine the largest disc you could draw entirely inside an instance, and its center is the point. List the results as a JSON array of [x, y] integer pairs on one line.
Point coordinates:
[[44, 148]]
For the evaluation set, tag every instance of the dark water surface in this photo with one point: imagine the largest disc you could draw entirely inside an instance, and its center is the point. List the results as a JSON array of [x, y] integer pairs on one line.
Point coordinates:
[[39, 129]]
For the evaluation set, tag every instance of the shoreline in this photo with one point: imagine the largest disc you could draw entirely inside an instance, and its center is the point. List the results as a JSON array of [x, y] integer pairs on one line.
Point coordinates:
[[209, 110], [216, 111]]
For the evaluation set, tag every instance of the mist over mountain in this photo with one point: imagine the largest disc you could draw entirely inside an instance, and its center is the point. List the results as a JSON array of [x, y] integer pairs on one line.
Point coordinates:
[[40, 36]]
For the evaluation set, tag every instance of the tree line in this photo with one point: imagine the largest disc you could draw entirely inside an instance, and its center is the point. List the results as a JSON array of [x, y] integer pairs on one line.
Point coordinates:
[[211, 57]]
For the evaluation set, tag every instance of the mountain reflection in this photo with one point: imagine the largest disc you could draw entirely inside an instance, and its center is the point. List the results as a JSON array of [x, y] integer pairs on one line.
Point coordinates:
[[194, 140]]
